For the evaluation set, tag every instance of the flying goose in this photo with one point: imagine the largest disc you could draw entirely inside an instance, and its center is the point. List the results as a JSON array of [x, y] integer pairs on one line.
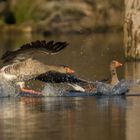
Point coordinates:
[[19, 66]]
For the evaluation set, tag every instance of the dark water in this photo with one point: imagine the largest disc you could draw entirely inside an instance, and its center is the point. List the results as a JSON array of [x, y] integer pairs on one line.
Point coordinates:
[[52, 118]]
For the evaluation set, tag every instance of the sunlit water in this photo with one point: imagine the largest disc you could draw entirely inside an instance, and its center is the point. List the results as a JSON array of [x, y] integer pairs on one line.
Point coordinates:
[[72, 118]]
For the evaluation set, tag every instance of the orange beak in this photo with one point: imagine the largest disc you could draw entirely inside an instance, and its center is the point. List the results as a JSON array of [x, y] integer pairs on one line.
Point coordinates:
[[70, 71], [118, 64]]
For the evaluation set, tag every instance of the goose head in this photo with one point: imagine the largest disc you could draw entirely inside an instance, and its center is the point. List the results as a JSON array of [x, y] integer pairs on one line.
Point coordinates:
[[66, 69], [61, 69], [115, 64], [69, 70]]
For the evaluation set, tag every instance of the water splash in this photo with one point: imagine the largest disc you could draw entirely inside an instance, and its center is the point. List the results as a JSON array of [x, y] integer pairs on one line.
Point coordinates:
[[121, 88], [56, 89], [51, 90], [7, 89], [102, 88]]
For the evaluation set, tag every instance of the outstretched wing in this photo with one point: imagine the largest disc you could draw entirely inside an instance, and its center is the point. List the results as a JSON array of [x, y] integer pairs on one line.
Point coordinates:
[[77, 83], [56, 77], [27, 51]]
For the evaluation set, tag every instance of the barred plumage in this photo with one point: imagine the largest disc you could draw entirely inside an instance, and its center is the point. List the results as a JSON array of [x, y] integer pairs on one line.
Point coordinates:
[[27, 51]]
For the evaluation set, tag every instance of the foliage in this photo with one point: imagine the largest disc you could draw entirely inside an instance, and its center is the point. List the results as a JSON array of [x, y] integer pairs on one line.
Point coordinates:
[[25, 10], [1, 21], [66, 15]]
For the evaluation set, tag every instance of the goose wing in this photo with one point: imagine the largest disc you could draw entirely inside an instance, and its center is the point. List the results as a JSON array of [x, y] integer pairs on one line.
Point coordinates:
[[77, 83], [56, 77], [28, 50]]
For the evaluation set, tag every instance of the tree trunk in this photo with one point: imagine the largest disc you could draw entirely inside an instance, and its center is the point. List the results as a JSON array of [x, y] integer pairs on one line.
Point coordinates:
[[132, 29]]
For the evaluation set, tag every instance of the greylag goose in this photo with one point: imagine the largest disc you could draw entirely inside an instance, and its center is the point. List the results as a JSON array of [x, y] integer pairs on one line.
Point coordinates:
[[115, 86], [19, 66]]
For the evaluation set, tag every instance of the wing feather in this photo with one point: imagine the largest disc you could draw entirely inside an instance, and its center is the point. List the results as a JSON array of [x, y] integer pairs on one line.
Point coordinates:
[[27, 50]]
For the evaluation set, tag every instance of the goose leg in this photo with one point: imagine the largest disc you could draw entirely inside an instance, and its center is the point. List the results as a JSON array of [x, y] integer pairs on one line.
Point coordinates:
[[23, 89]]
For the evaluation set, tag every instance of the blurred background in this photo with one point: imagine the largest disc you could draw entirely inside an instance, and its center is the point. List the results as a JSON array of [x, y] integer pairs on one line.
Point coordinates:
[[66, 16]]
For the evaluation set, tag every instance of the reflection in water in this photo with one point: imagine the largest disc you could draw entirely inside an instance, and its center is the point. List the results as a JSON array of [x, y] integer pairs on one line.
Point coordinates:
[[132, 72], [132, 119], [66, 118]]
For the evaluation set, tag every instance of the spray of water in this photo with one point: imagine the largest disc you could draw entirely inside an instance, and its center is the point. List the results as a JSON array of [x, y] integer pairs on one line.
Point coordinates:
[[57, 89], [7, 89]]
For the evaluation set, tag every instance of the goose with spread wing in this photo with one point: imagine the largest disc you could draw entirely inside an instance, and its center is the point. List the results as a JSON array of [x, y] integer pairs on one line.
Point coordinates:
[[19, 66]]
